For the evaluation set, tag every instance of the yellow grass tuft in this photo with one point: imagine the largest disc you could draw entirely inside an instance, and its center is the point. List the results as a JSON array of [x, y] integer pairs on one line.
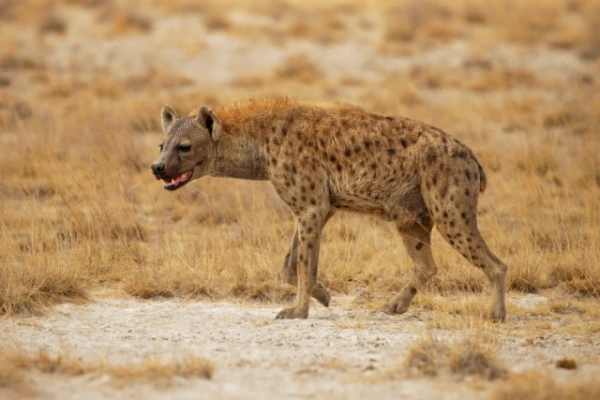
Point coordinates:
[[300, 68], [537, 386], [434, 356], [14, 367]]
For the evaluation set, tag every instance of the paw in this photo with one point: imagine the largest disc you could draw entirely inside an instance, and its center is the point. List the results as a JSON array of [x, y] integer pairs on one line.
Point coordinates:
[[291, 313], [395, 308], [321, 294], [496, 315]]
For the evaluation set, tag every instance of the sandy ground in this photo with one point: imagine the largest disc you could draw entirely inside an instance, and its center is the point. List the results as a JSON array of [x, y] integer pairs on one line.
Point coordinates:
[[336, 353]]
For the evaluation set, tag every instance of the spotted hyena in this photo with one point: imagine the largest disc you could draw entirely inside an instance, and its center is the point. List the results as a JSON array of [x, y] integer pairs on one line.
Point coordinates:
[[323, 159]]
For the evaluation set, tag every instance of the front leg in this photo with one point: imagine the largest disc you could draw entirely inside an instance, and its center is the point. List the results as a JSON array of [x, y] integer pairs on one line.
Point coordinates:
[[290, 273], [308, 239]]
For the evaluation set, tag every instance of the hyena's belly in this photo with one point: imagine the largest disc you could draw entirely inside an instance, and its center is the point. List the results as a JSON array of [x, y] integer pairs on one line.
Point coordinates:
[[404, 208]]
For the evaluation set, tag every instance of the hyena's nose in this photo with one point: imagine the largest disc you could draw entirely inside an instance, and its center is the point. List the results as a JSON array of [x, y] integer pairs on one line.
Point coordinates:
[[158, 169]]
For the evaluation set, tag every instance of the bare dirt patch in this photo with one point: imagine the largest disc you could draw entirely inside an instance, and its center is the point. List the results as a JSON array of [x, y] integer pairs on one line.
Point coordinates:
[[338, 352]]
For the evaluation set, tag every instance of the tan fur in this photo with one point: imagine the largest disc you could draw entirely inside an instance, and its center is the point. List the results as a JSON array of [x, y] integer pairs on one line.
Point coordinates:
[[326, 158]]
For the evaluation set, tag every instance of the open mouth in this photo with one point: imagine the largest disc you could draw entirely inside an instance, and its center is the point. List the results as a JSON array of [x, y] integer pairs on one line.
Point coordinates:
[[178, 182]]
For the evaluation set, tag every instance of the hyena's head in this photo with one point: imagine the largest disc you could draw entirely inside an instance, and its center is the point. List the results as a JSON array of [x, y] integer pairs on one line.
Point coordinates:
[[189, 147]]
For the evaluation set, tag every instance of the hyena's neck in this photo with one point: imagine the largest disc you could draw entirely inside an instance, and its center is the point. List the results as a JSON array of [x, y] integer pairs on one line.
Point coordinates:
[[240, 156]]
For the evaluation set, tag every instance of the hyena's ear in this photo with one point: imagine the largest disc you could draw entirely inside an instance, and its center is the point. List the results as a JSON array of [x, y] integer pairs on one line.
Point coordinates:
[[207, 119], [168, 116]]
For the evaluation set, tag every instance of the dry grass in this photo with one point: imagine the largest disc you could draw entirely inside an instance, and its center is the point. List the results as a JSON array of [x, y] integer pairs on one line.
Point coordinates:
[[80, 210], [535, 386], [300, 68], [14, 367], [431, 357]]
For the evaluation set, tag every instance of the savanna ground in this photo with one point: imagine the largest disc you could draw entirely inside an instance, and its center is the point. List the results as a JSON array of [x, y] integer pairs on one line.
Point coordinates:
[[111, 286]]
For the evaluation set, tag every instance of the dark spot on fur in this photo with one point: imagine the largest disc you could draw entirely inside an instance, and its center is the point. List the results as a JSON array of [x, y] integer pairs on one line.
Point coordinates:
[[467, 192], [310, 246], [348, 153], [431, 156], [451, 242], [391, 151], [368, 144], [284, 132], [389, 117], [463, 215], [451, 224], [460, 154], [332, 159], [294, 170], [339, 167], [312, 186], [444, 191], [467, 174], [413, 290], [469, 240], [357, 149], [445, 214], [419, 246], [373, 166], [313, 202], [274, 161], [434, 180], [403, 143], [322, 142]]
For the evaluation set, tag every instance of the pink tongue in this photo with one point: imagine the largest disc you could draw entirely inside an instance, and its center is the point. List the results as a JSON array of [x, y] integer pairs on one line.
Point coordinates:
[[180, 179]]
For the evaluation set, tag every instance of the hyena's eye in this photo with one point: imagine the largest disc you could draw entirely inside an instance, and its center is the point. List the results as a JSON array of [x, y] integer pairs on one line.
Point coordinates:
[[184, 148]]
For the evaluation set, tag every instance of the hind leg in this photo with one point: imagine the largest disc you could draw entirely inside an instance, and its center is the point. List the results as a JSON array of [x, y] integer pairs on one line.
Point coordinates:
[[461, 232], [417, 241]]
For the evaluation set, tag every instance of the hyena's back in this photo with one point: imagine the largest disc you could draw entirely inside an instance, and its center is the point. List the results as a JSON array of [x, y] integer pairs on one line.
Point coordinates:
[[393, 167]]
